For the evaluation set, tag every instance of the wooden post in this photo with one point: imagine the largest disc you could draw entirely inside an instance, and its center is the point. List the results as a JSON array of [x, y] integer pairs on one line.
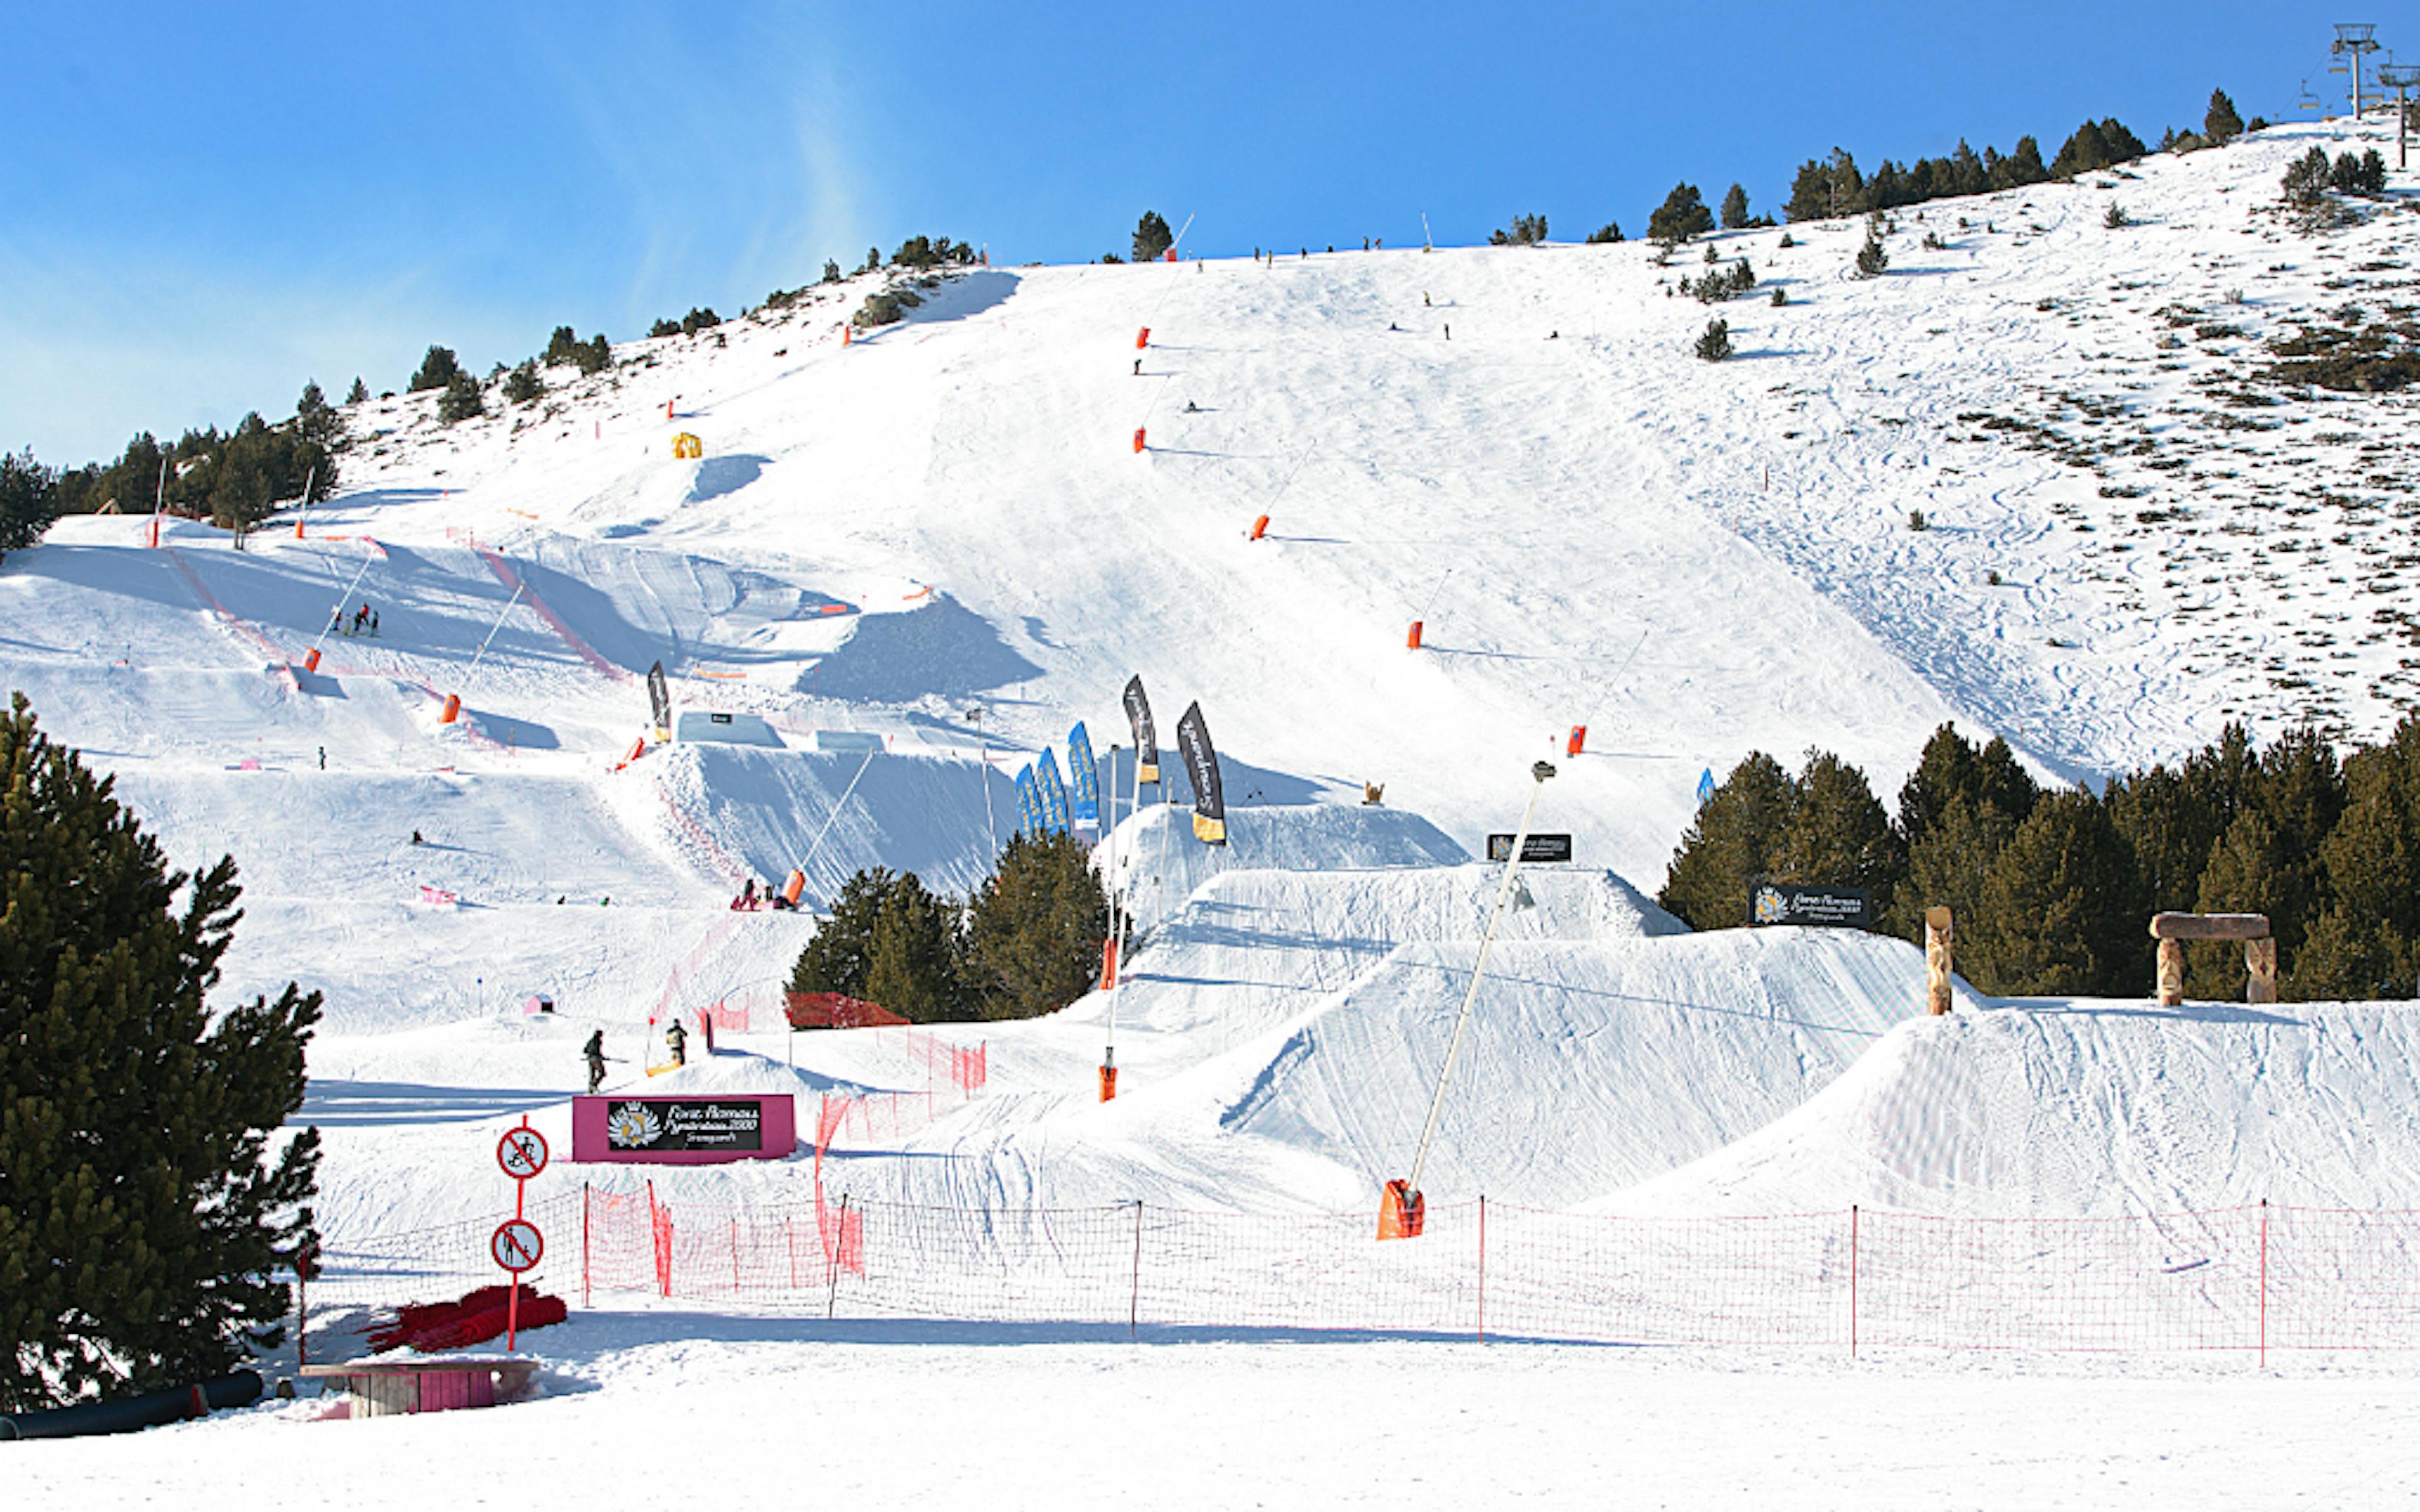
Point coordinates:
[[2172, 973], [2260, 950], [1938, 937], [2260, 971]]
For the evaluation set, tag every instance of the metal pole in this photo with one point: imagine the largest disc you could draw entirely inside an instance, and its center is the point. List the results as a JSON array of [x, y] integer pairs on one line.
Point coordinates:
[[491, 629], [1538, 774]]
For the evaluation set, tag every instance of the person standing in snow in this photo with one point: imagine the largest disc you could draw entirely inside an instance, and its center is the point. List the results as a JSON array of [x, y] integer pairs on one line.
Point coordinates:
[[677, 1040], [595, 1051]]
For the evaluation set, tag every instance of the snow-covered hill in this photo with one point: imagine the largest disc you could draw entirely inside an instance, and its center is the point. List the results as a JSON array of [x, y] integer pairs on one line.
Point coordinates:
[[921, 555]]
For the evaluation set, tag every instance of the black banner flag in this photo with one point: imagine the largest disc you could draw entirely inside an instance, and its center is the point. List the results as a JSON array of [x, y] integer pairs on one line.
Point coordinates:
[[659, 700], [1146, 735], [1201, 765]]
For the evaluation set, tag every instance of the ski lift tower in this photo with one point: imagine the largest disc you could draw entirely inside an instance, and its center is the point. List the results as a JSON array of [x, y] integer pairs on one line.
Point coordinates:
[[2399, 77], [2353, 39]]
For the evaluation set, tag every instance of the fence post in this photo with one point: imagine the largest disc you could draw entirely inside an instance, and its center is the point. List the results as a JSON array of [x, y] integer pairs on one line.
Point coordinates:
[[1482, 1268], [790, 1239], [583, 1245], [831, 1259], [1134, 1296], [2264, 1282], [734, 1252], [1853, 1280]]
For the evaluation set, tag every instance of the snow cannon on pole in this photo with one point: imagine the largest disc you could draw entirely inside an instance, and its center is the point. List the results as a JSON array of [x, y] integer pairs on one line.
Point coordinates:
[[1138, 440], [1143, 338], [1259, 528], [1400, 1208], [1578, 740]]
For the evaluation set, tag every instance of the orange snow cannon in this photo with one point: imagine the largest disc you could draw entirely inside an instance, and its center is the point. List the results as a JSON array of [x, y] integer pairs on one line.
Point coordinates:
[[1143, 338], [1401, 1211], [452, 709], [795, 885], [1109, 1084], [1579, 738], [1260, 527], [1138, 439], [310, 659], [1412, 642]]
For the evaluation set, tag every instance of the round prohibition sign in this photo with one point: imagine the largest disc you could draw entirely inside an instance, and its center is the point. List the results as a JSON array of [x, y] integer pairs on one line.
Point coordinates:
[[521, 1152], [517, 1245]]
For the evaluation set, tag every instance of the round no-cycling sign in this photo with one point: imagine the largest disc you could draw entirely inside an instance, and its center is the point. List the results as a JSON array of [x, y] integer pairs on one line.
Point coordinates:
[[517, 1245], [521, 1152]]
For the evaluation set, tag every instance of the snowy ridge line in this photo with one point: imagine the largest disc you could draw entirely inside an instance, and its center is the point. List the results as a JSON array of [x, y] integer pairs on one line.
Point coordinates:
[[587, 653], [2239, 1280]]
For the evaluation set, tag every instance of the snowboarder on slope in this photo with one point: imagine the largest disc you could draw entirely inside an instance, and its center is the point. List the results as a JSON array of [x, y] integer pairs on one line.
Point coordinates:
[[595, 1051], [677, 1040]]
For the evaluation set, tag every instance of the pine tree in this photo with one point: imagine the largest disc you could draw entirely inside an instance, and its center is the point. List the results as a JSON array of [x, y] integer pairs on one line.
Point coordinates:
[[2221, 123], [142, 1210], [912, 966], [1683, 215], [1872, 257], [562, 349], [596, 356], [1734, 207], [1152, 237], [1715, 342], [662, 327], [523, 386], [1034, 929], [831, 271], [358, 392], [28, 499], [1838, 834], [2060, 912], [461, 400], [838, 955], [1947, 867], [1732, 844], [1609, 232], [437, 369]]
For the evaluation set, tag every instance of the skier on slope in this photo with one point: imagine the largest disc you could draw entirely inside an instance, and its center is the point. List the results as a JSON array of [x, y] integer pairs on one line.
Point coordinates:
[[595, 1051], [677, 1040]]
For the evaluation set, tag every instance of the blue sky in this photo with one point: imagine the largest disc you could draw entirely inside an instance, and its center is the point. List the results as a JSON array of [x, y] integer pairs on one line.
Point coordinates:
[[207, 204]]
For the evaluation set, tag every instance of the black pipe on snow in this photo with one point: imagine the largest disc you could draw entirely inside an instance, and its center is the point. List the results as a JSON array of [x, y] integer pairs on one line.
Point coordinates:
[[127, 1413]]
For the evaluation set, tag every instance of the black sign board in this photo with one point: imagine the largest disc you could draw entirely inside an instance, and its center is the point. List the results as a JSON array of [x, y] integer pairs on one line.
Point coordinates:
[[1537, 848], [643, 1123], [1788, 903]]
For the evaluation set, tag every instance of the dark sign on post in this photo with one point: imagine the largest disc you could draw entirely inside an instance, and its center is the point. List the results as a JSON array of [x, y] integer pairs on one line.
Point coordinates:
[[1789, 902], [1537, 849]]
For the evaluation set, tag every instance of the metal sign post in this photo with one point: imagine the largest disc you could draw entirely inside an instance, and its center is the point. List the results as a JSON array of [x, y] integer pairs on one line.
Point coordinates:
[[517, 1243]]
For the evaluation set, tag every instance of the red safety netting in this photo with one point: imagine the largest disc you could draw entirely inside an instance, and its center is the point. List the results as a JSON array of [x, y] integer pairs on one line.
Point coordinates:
[[2247, 1280]]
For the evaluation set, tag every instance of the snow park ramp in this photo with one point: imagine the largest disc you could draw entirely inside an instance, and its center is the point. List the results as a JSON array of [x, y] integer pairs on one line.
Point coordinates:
[[2093, 1108], [1589, 1065], [766, 811], [1160, 864]]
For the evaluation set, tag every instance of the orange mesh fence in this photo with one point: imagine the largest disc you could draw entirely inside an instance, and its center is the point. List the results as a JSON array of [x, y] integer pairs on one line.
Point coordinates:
[[2247, 1280]]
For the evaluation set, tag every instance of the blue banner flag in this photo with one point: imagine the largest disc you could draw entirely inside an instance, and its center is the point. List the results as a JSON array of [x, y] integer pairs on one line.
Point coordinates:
[[1705, 787], [1053, 794], [1083, 778], [1029, 804]]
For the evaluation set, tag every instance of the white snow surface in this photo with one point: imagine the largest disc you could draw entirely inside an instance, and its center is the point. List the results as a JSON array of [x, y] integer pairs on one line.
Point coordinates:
[[919, 557]]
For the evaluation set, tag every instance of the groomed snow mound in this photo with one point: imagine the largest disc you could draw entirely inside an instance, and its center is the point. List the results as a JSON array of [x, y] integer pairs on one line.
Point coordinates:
[[2092, 1108]]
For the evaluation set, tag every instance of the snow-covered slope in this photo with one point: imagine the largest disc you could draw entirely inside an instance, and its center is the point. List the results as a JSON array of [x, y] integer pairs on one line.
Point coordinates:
[[920, 556]]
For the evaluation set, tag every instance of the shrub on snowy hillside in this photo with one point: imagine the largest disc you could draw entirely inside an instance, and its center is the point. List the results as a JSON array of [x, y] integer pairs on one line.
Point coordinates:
[[147, 1186], [1683, 215], [461, 400], [437, 369], [1152, 237], [1034, 929], [1715, 342], [1527, 231], [2100, 144], [2219, 123]]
